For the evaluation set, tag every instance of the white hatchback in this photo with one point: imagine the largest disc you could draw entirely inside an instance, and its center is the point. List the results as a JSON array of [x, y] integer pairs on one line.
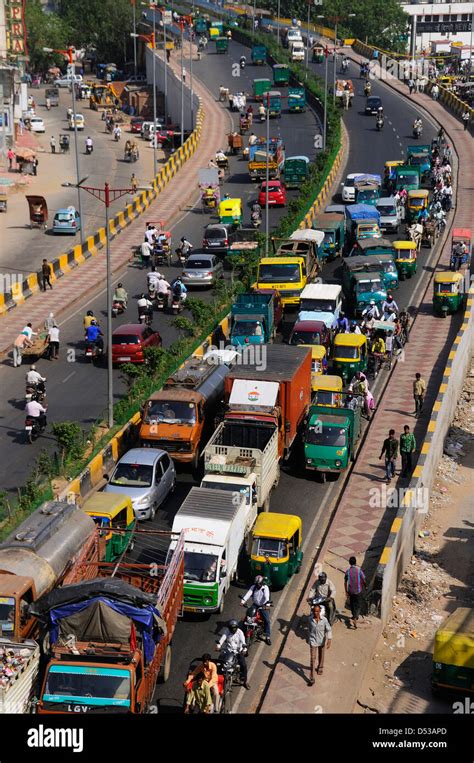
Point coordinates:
[[37, 124], [348, 188]]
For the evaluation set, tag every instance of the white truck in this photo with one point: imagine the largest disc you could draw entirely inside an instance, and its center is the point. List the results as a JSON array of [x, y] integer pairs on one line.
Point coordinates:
[[19, 665], [243, 458], [297, 50], [216, 526]]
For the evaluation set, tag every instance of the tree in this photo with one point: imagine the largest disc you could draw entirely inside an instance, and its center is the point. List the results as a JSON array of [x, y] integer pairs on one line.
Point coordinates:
[[101, 24], [44, 31]]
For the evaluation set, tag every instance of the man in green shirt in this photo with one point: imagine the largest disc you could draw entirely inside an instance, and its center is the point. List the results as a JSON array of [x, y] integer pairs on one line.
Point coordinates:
[[407, 447], [390, 448], [199, 695]]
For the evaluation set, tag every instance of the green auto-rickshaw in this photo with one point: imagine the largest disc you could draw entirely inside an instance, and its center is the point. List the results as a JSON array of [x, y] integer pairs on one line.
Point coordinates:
[[222, 44], [405, 258], [261, 86], [276, 548], [295, 171], [281, 74], [201, 25], [296, 99], [448, 293], [453, 654], [259, 54], [349, 355], [317, 54], [113, 513]]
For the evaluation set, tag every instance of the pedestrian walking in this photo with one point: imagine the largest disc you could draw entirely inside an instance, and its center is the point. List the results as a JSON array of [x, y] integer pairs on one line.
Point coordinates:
[[19, 344], [319, 639], [35, 166], [417, 85], [354, 584], [46, 274], [465, 118], [52, 143], [168, 56], [407, 448], [184, 74], [422, 84], [411, 85], [11, 157], [435, 92], [134, 183], [53, 335], [419, 391], [390, 449]]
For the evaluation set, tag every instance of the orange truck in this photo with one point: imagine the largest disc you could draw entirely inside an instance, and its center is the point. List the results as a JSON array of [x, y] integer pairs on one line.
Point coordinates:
[[178, 417], [110, 638], [273, 393], [56, 545]]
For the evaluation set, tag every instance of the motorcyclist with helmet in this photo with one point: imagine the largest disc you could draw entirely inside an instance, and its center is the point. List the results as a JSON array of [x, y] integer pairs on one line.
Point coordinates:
[[120, 295], [259, 592], [341, 324], [232, 637], [145, 307], [325, 589], [371, 312], [94, 335], [87, 320], [178, 289]]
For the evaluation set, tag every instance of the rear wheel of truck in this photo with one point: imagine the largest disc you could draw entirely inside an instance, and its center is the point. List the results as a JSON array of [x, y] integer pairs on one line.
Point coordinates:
[[165, 666]]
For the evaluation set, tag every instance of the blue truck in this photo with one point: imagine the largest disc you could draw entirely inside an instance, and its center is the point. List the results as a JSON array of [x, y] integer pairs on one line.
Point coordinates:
[[253, 319]]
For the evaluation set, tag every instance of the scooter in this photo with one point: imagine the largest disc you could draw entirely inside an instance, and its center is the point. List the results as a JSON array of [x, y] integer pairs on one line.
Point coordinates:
[[161, 301], [320, 602], [242, 63], [35, 392], [262, 116], [118, 307], [117, 137], [177, 304], [89, 149], [93, 351], [145, 318], [417, 132], [256, 219], [379, 124], [254, 624]]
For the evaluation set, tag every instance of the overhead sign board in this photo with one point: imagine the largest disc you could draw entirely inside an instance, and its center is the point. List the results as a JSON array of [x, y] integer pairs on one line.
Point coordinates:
[[446, 27]]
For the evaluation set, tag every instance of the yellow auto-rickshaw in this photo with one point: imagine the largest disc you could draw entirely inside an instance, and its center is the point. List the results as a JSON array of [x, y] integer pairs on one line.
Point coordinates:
[[350, 355], [276, 548], [449, 294], [389, 171], [453, 654], [417, 201], [230, 212], [405, 258], [318, 361], [327, 390], [113, 513]]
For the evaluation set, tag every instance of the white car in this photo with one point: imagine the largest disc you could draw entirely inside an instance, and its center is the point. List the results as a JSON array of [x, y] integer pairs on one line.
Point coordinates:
[[37, 124], [66, 81], [348, 190]]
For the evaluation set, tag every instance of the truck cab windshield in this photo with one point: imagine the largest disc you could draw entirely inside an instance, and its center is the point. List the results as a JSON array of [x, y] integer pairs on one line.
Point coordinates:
[[171, 412], [275, 549], [318, 305], [363, 287], [7, 615], [243, 490], [306, 337], [200, 567], [326, 436], [288, 273], [329, 237], [247, 328], [96, 687]]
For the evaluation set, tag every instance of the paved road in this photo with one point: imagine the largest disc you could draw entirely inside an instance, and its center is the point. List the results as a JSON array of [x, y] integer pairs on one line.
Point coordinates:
[[22, 248], [74, 389]]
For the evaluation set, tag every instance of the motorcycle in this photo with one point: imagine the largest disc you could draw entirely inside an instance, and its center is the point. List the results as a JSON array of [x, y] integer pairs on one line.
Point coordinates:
[[117, 136], [242, 63], [118, 307], [253, 625], [262, 116], [177, 304], [93, 351], [145, 317], [89, 149], [152, 292], [367, 89], [35, 392], [379, 124], [256, 219], [33, 428], [417, 132], [161, 301], [183, 255]]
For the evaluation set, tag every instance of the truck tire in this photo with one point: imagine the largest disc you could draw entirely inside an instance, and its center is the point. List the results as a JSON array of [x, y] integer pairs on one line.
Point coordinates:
[[165, 666]]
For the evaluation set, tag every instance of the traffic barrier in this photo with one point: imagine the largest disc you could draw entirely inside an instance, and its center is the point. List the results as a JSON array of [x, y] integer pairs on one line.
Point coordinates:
[[400, 544], [81, 252]]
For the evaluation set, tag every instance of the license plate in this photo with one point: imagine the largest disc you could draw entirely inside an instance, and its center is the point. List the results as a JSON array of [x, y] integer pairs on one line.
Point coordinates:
[[28, 429], [124, 359]]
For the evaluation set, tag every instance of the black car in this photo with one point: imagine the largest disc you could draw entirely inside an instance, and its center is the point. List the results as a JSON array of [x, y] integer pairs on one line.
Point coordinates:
[[373, 104]]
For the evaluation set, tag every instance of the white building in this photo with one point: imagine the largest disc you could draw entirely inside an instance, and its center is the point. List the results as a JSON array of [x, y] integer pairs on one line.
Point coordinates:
[[434, 21]]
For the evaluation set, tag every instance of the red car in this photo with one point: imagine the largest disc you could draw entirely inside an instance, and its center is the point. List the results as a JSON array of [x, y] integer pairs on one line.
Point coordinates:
[[129, 341], [276, 194], [136, 124]]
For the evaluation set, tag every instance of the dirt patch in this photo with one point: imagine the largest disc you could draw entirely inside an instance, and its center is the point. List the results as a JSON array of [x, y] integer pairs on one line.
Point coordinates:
[[439, 579]]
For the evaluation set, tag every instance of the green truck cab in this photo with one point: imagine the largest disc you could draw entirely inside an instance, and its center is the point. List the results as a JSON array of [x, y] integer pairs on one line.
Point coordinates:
[[333, 225], [273, 103], [295, 171], [259, 54], [296, 99], [383, 264], [363, 287], [252, 319], [330, 438], [261, 85], [281, 74], [407, 177], [420, 156]]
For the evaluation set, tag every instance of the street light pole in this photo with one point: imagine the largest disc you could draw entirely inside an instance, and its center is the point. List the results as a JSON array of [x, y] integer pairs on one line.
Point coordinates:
[[108, 195], [335, 61], [325, 99], [307, 37], [134, 2], [182, 84], [153, 38], [191, 74], [278, 23], [267, 178], [253, 19]]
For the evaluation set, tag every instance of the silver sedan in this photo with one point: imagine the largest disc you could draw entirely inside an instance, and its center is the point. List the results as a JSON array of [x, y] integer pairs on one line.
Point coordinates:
[[202, 270]]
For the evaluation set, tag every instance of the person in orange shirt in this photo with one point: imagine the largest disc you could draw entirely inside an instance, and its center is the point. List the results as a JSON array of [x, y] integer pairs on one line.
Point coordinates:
[[209, 669]]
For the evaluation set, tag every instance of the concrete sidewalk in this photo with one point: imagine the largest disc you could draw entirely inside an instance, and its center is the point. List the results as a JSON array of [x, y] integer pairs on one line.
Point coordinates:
[[363, 520], [76, 284]]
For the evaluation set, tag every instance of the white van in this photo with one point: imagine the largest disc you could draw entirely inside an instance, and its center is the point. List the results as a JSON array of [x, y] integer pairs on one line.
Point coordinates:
[[148, 129], [293, 35], [297, 51]]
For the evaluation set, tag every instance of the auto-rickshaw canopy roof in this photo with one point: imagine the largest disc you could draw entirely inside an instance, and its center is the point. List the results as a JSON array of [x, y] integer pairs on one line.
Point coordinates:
[[329, 383], [422, 193], [318, 351], [404, 245], [350, 340], [272, 525], [109, 504], [462, 233], [448, 277], [230, 206], [394, 163]]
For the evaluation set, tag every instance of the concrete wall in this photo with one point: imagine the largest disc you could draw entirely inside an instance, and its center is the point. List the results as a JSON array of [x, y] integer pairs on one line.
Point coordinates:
[[173, 86], [402, 539]]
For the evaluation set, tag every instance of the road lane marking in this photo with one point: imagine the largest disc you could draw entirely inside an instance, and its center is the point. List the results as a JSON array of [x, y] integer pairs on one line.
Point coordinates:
[[68, 377]]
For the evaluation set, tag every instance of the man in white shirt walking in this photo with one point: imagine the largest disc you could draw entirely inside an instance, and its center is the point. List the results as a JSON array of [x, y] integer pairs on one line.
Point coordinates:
[[53, 336]]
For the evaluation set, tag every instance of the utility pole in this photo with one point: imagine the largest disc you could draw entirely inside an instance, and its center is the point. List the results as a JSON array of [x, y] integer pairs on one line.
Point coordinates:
[[182, 82], [325, 98], [133, 3], [267, 178], [191, 27]]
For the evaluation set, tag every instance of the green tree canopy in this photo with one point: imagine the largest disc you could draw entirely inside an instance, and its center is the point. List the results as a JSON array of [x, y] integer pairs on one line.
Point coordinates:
[[44, 30], [102, 24]]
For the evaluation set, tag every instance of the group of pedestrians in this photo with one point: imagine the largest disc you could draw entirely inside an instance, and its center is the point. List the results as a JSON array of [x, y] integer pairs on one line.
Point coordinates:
[[391, 447], [25, 340]]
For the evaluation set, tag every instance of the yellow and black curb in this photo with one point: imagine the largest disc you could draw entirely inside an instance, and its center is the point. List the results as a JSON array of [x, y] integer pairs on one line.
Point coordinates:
[[75, 257]]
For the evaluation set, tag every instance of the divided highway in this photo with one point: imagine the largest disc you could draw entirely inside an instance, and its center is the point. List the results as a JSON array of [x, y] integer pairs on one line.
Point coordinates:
[[77, 391]]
